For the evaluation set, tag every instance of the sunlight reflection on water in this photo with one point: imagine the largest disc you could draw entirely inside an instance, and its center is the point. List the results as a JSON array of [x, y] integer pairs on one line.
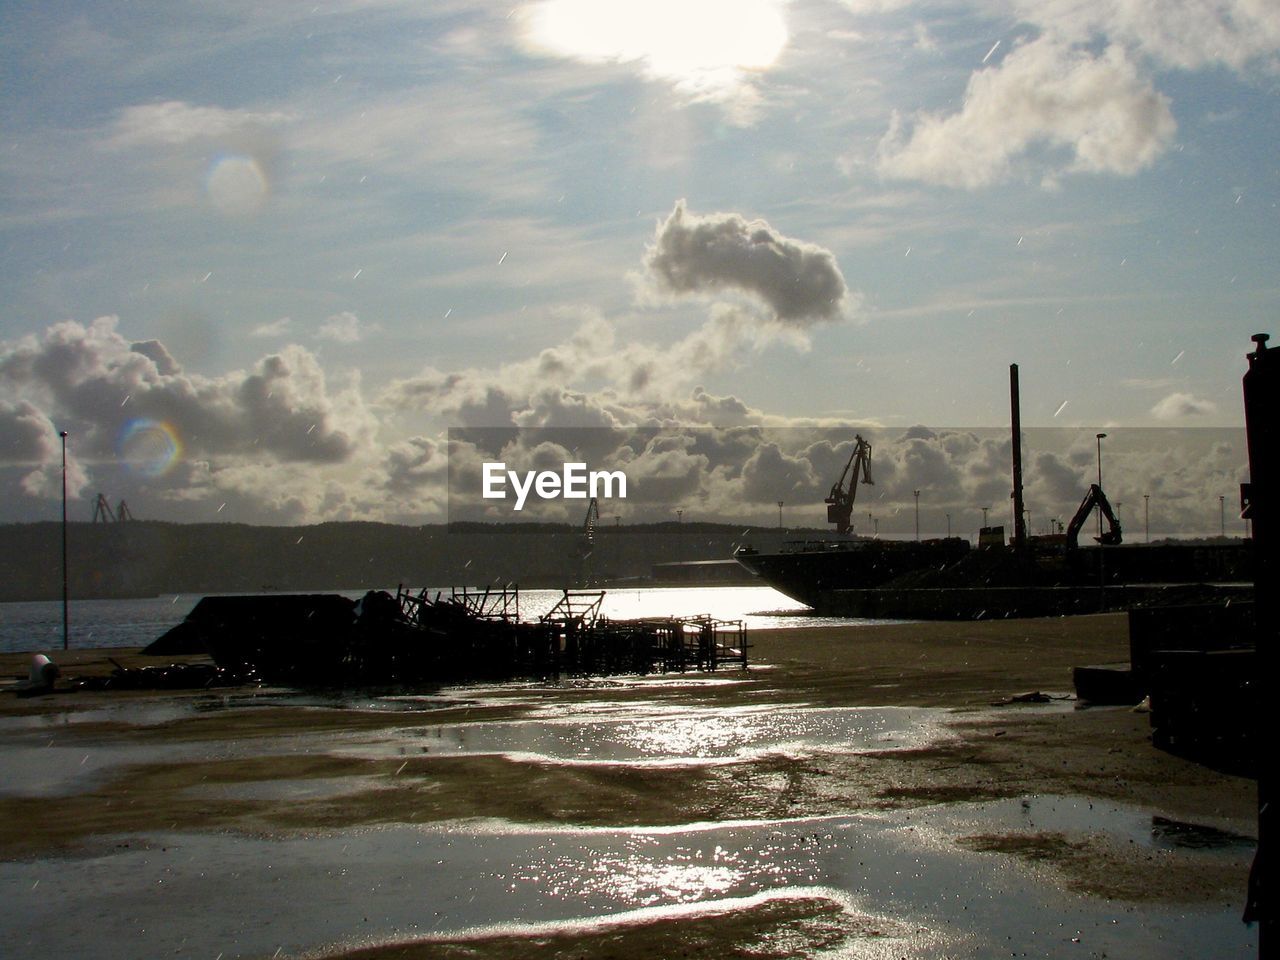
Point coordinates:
[[37, 625], [926, 898], [652, 734]]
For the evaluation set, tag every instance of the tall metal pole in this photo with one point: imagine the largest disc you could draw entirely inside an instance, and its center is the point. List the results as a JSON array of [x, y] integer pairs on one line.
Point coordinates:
[[1146, 514], [779, 514], [1015, 411], [1222, 516], [917, 496], [66, 620], [1100, 437]]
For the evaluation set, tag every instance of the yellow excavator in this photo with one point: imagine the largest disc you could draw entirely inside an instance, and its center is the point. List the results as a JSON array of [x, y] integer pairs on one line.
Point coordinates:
[[840, 501]]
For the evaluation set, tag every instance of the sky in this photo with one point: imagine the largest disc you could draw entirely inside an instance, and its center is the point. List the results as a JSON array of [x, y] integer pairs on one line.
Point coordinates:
[[259, 259]]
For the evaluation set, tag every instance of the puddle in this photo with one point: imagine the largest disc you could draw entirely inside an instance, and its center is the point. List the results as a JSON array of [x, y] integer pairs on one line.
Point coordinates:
[[156, 711], [1081, 815], [45, 761], [313, 788], [651, 734], [220, 894], [53, 769], [1177, 835]]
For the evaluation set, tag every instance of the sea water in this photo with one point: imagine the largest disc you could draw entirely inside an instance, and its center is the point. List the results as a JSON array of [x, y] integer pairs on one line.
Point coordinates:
[[37, 625]]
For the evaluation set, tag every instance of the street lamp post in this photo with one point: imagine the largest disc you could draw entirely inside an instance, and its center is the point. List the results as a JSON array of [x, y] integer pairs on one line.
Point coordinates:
[[1222, 516], [916, 493], [984, 515], [780, 514], [948, 526], [1146, 514], [66, 620]]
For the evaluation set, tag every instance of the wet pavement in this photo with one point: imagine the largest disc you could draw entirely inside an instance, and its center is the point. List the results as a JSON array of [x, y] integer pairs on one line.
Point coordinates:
[[205, 895], [230, 895]]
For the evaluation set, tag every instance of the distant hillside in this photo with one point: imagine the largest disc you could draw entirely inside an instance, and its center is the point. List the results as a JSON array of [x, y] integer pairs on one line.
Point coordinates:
[[148, 558]]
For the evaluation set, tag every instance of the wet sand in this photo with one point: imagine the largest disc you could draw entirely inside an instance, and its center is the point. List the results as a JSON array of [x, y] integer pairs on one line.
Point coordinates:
[[217, 769]]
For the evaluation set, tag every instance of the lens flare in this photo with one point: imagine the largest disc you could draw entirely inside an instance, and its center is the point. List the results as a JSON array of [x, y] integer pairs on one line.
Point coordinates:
[[149, 447], [237, 185]]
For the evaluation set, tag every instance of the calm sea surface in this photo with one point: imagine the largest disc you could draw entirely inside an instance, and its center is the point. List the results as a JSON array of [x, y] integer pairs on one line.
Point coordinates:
[[37, 626]]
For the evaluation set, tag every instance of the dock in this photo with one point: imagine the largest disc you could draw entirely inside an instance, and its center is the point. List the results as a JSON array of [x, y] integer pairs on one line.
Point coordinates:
[[463, 635]]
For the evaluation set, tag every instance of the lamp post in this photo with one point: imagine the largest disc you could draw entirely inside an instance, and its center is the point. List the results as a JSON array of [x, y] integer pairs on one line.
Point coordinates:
[[916, 493], [65, 618], [1222, 516], [780, 514], [948, 526], [1146, 514], [984, 515]]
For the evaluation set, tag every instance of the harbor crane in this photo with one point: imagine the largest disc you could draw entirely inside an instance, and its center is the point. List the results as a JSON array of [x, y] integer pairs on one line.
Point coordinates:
[[589, 525], [840, 500], [102, 512]]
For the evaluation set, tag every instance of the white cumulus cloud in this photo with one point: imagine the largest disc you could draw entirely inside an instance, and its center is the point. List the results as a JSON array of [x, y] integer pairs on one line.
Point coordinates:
[[1046, 94], [799, 282], [1180, 406]]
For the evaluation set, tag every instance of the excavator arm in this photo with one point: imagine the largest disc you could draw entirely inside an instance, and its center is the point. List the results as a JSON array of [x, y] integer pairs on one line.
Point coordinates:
[[840, 500], [1094, 498]]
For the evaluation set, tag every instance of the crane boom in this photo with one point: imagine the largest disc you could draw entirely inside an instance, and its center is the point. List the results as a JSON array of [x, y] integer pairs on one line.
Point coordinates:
[[840, 500]]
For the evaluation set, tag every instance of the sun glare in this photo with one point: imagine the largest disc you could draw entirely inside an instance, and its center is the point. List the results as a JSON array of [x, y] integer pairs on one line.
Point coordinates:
[[698, 42]]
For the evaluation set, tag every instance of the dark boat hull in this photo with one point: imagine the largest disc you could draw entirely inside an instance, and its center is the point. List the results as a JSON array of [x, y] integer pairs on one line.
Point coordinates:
[[944, 579], [809, 572]]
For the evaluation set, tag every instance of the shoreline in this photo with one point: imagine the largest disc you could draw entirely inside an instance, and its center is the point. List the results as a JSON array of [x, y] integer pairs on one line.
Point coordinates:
[[201, 762]]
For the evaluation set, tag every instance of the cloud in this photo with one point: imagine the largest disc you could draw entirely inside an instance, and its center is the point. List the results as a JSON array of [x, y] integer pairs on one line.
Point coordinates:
[[341, 328], [30, 441], [176, 123], [1180, 406], [799, 282], [277, 443], [97, 382], [1185, 34], [628, 380], [1046, 93], [159, 354], [225, 158], [276, 328], [413, 466], [772, 474]]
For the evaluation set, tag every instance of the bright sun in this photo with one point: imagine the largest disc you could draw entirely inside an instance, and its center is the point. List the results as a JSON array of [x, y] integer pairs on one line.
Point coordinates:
[[700, 43]]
